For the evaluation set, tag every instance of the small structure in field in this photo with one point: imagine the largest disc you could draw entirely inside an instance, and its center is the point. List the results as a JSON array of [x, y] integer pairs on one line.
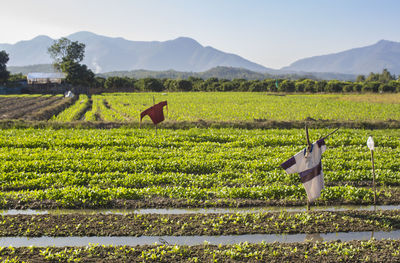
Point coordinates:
[[69, 94], [45, 78]]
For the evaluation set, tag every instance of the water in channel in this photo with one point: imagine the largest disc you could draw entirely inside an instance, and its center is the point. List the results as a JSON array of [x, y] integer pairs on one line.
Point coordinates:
[[198, 210], [194, 240]]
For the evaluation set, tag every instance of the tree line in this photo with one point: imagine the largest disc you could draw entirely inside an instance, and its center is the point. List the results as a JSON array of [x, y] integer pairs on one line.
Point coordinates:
[[375, 82]]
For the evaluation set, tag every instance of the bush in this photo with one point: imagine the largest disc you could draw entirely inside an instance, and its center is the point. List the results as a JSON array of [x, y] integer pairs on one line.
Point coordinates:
[[372, 86]]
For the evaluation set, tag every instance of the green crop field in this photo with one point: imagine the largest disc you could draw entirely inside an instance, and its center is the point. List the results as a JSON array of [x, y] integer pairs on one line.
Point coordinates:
[[67, 166], [242, 106], [94, 167]]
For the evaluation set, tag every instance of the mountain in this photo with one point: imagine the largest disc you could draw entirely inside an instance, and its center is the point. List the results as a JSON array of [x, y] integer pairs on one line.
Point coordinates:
[[104, 54], [363, 60], [217, 72]]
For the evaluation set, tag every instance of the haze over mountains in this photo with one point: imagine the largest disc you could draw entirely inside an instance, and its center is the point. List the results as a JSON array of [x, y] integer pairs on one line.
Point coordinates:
[[106, 54], [363, 60]]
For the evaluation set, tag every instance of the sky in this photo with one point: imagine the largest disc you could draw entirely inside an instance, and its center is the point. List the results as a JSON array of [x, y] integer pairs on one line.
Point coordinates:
[[273, 33]]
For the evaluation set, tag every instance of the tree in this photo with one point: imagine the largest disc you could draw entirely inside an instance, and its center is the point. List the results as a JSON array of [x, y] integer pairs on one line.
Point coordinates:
[[286, 86], [67, 55], [150, 84], [64, 50], [77, 74], [385, 77], [360, 78], [4, 74]]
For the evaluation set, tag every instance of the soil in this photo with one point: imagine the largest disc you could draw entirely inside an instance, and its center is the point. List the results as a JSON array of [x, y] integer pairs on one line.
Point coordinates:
[[198, 224], [27, 107], [168, 124], [160, 202]]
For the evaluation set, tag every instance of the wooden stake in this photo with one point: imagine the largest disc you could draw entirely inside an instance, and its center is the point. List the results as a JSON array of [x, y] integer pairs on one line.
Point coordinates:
[[307, 152], [308, 137], [154, 103], [373, 175]]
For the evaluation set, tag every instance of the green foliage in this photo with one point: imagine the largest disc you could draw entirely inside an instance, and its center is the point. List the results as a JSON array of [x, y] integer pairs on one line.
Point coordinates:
[[150, 84], [64, 50], [77, 74], [92, 167], [4, 74], [371, 86], [360, 78], [267, 85], [116, 83], [245, 106], [74, 112], [67, 55]]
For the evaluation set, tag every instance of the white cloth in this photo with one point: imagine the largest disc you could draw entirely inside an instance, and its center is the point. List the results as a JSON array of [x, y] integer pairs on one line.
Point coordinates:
[[309, 168]]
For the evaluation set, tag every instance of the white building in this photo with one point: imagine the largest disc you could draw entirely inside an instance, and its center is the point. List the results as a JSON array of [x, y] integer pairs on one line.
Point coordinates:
[[45, 78]]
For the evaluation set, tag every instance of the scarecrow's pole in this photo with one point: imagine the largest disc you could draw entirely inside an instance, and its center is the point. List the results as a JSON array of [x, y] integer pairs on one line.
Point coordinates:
[[307, 152], [326, 136], [154, 103], [371, 146]]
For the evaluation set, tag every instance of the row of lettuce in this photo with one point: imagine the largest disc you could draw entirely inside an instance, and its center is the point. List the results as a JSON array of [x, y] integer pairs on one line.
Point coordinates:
[[97, 166]]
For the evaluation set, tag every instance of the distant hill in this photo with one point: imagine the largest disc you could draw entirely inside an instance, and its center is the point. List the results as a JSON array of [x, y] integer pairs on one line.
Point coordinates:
[[46, 68], [217, 72], [105, 54], [363, 60]]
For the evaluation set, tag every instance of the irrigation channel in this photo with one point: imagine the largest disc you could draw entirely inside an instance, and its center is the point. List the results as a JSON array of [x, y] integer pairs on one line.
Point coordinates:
[[195, 240], [178, 211]]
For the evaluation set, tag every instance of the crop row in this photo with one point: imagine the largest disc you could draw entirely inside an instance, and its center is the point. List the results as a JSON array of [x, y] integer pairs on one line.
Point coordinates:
[[40, 159], [228, 138], [337, 251], [198, 224], [77, 196], [74, 112]]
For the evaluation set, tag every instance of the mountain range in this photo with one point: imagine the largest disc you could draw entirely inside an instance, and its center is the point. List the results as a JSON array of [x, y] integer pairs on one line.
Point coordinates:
[[363, 60], [106, 54]]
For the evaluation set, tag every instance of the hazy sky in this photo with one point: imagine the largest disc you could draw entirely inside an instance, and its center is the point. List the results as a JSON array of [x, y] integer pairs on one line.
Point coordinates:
[[273, 33]]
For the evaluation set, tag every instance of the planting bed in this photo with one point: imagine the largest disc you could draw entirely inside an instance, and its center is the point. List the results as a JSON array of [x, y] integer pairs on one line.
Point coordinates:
[[337, 251], [197, 224], [32, 107]]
